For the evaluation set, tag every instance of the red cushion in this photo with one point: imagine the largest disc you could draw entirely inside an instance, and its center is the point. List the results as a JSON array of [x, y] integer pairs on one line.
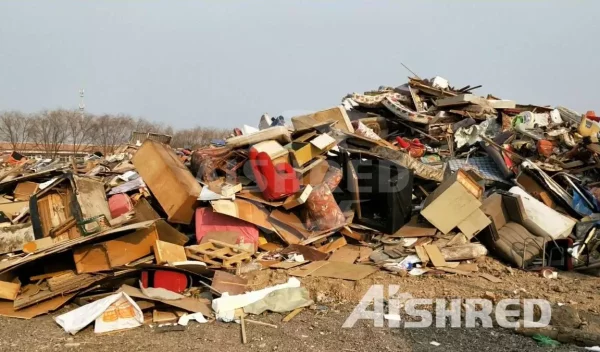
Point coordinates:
[[275, 181], [169, 280]]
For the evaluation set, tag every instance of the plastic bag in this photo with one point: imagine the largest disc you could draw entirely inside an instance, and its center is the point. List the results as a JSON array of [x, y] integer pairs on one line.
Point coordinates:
[[322, 210], [333, 177]]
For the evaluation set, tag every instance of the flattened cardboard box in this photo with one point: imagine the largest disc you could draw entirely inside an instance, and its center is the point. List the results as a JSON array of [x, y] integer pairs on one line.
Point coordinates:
[[449, 204], [172, 184], [125, 249]]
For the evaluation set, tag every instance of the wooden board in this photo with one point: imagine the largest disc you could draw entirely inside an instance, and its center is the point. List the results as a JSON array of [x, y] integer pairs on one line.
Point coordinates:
[[91, 259], [50, 275], [307, 269], [244, 210], [346, 254], [471, 267], [7, 309], [415, 230], [168, 253], [225, 282], [491, 278], [434, 254], [309, 253], [332, 246], [285, 234], [365, 252], [344, 271], [9, 290], [422, 254], [163, 317], [230, 237], [286, 265], [187, 303]]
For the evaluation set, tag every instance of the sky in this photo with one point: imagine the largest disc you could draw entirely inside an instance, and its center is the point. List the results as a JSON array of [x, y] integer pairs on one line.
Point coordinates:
[[224, 63]]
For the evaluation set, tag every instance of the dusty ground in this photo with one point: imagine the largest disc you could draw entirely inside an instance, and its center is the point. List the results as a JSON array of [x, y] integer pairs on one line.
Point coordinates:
[[319, 329], [579, 290], [309, 331]]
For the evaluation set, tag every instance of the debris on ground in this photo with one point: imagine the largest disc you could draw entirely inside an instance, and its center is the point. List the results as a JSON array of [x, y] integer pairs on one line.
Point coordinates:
[[423, 179]]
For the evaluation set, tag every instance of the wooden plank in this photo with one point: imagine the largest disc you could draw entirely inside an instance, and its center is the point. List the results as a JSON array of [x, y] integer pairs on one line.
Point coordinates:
[[332, 246], [491, 278], [187, 303], [9, 290], [285, 234], [309, 253], [286, 265], [346, 254], [365, 252], [422, 254], [168, 253], [415, 230], [163, 317], [292, 314], [91, 259], [344, 271], [7, 309], [225, 282], [78, 283], [308, 269], [49, 275], [471, 267], [436, 257]]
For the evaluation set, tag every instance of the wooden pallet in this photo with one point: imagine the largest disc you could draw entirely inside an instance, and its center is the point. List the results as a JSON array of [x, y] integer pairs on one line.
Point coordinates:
[[217, 253]]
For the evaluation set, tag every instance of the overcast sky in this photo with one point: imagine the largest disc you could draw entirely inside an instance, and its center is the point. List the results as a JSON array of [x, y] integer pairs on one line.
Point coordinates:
[[224, 63]]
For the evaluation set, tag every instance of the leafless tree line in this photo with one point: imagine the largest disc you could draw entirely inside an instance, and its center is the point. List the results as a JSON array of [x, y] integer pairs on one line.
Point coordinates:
[[51, 130]]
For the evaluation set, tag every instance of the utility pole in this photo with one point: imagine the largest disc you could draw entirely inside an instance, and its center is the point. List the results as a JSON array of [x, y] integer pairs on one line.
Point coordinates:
[[81, 103]]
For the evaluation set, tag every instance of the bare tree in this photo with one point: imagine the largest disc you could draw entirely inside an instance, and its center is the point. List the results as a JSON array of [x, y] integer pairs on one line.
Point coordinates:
[[113, 131], [49, 132], [80, 129], [15, 129], [197, 137]]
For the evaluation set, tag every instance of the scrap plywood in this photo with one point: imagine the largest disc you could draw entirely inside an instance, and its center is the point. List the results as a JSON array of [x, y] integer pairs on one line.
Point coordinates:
[[332, 246], [25, 190], [225, 282], [309, 253], [186, 303], [344, 271], [7, 309], [415, 230], [170, 181], [422, 254], [434, 254], [243, 210], [9, 290], [346, 254], [307, 269], [125, 249], [291, 222], [286, 235], [286, 265], [168, 253]]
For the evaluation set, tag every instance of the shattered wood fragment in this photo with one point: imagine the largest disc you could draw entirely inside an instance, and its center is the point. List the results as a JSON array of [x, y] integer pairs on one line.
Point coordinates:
[[332, 246]]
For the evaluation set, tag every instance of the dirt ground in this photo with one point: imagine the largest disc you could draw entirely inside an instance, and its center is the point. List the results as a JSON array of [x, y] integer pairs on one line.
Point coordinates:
[[320, 327], [311, 330], [579, 290]]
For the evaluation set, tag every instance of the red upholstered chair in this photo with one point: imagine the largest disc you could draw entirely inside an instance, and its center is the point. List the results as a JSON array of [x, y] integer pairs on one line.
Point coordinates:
[[275, 181]]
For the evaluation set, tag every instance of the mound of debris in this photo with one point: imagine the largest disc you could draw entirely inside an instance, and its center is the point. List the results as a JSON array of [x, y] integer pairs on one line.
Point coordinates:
[[419, 179]]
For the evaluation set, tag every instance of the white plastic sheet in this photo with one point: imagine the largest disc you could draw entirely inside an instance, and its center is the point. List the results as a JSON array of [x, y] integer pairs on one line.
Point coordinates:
[[226, 305], [115, 312]]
